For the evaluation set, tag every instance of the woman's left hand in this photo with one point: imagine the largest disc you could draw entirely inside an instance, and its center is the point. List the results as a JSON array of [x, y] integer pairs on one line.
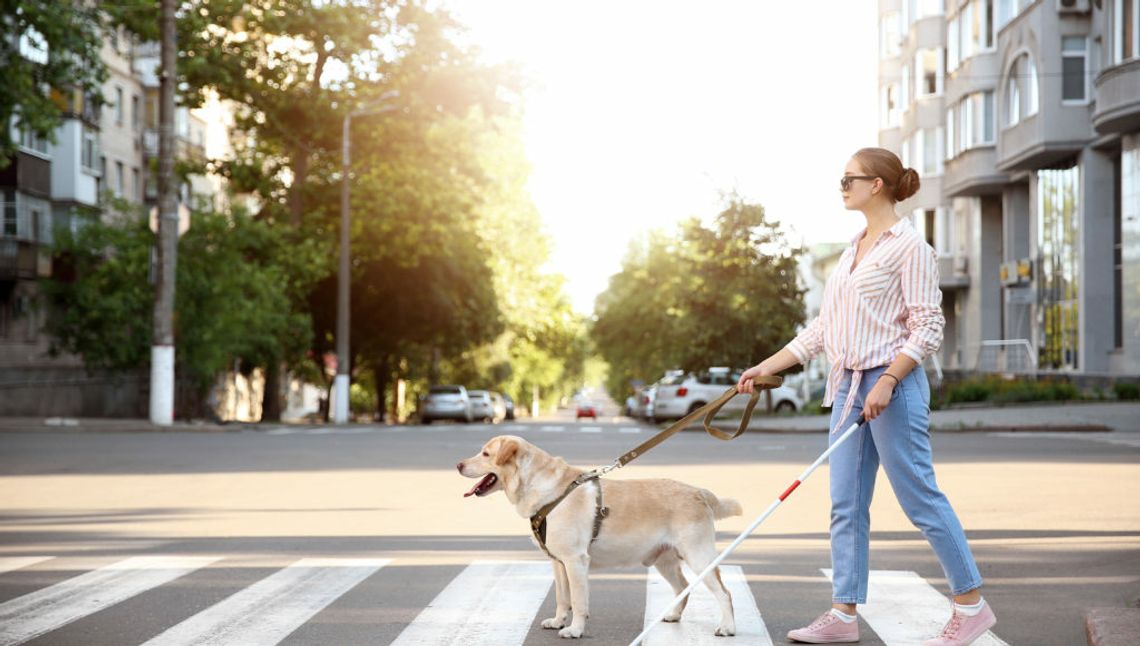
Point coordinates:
[[878, 398]]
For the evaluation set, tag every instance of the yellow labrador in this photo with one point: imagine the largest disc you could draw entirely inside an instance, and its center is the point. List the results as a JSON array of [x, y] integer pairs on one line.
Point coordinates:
[[650, 522]]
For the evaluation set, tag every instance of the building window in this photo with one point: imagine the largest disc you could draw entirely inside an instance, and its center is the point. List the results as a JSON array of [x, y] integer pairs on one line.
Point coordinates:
[[1126, 25], [136, 187], [1058, 249], [952, 38], [31, 142], [11, 222], [889, 35], [890, 108], [928, 72], [136, 118], [951, 143], [1074, 62], [1021, 90], [928, 226], [904, 89], [119, 107], [119, 179], [89, 153], [970, 32], [931, 159]]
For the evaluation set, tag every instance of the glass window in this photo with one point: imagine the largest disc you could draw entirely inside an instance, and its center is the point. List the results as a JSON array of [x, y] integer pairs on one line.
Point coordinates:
[[951, 145], [90, 151], [1126, 17], [904, 90], [890, 107], [1021, 90], [928, 72], [1073, 65], [11, 221], [890, 34], [119, 189], [1058, 237], [931, 161], [119, 107], [952, 41], [29, 140]]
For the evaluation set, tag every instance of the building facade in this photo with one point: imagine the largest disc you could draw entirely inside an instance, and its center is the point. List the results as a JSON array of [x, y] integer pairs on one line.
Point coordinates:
[[1023, 118], [103, 149]]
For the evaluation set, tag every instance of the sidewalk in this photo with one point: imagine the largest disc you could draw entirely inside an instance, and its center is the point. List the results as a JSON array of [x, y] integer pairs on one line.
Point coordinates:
[[1059, 416]]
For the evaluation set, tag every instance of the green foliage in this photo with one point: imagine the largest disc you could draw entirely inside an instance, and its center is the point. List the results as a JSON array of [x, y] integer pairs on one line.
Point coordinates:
[[998, 390], [725, 295], [1126, 391], [232, 297]]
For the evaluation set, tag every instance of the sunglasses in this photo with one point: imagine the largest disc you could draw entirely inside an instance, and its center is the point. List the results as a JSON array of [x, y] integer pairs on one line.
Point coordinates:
[[845, 183]]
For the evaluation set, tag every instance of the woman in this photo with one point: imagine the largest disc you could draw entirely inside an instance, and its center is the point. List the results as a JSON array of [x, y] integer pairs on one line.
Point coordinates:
[[881, 317]]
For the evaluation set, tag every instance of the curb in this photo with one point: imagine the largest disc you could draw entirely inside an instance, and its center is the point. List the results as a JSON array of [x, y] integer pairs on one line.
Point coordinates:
[[1112, 626]]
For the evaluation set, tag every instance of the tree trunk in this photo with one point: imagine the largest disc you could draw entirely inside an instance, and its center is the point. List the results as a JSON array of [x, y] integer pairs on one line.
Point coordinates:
[[381, 374], [300, 174], [271, 398]]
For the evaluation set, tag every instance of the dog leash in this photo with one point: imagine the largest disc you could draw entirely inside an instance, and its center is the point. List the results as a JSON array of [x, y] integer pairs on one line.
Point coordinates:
[[709, 410]]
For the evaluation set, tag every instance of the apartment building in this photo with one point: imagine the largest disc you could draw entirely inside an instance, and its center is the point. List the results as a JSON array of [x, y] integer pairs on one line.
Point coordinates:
[[1023, 120], [100, 151]]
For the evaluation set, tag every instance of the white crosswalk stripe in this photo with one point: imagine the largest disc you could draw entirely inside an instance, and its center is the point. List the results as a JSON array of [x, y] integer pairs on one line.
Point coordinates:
[[629, 429], [550, 428], [1118, 439], [490, 603], [590, 429], [903, 609], [702, 613], [9, 563], [44, 610], [267, 611]]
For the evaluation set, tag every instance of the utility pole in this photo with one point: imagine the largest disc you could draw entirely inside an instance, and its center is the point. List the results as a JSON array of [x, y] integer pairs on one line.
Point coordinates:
[[162, 348]]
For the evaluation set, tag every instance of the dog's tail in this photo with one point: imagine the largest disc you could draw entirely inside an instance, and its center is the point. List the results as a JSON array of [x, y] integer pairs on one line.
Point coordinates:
[[724, 507]]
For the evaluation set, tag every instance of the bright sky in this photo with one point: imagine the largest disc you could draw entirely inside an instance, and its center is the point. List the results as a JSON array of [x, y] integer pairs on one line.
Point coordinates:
[[642, 117]]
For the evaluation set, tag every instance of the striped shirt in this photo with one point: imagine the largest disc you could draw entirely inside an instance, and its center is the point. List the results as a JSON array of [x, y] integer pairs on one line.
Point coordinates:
[[887, 304]]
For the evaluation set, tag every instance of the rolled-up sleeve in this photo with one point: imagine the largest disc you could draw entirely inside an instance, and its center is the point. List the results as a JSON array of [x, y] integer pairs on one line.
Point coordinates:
[[808, 343], [923, 298]]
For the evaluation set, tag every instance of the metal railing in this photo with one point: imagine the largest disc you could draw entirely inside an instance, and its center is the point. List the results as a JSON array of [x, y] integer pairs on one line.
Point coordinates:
[[1006, 355]]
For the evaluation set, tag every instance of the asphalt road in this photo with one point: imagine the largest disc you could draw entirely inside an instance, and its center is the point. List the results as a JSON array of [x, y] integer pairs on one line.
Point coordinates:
[[361, 535]]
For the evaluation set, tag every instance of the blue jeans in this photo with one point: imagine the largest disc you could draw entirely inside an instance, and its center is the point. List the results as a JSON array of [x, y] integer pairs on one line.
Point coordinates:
[[899, 438]]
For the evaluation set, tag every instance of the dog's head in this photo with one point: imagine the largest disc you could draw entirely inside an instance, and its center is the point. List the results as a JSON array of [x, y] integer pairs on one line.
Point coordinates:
[[497, 459]]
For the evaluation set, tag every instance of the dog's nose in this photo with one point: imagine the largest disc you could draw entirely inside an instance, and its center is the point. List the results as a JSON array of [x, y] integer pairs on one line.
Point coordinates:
[[459, 467]]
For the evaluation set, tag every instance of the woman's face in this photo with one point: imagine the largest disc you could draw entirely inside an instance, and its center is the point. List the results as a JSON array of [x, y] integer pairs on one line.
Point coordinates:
[[859, 192]]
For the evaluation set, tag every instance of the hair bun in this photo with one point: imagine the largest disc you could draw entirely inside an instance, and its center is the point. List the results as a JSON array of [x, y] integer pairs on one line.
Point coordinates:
[[908, 184]]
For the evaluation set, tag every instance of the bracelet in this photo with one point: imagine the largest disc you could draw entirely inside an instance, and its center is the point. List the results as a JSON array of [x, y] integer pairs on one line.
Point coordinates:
[[887, 374]]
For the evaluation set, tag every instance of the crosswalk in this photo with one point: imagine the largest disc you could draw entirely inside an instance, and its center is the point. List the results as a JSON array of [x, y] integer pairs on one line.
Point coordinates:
[[489, 602]]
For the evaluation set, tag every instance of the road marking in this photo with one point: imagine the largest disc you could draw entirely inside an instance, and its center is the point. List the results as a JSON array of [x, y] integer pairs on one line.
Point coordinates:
[[1119, 439], [590, 429], [702, 614], [267, 611], [490, 603], [629, 429], [9, 563], [44, 610], [516, 428], [902, 608], [552, 429]]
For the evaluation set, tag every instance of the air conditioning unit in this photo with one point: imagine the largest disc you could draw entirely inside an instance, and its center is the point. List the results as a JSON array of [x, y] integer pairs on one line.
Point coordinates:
[[1073, 6]]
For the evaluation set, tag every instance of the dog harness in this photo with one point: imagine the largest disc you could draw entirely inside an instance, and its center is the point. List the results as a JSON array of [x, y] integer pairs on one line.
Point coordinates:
[[709, 410], [538, 520]]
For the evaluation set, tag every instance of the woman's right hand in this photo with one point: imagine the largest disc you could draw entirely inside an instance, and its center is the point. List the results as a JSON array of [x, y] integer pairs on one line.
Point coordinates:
[[745, 384]]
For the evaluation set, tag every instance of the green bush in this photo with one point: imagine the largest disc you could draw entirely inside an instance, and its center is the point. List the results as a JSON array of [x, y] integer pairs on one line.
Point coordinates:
[[1127, 392], [1001, 391]]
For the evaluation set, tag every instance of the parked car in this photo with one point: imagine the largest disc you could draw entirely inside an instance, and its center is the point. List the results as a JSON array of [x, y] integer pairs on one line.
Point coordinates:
[[446, 402], [483, 406], [586, 409], [500, 405], [650, 397], [510, 406], [630, 406], [682, 395]]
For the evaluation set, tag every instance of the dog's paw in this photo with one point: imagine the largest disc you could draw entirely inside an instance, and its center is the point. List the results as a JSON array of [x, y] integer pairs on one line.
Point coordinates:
[[725, 631], [570, 633], [553, 622], [672, 617]]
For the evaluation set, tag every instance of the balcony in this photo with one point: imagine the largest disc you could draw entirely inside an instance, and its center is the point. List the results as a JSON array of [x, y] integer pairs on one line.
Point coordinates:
[[1117, 92], [973, 172], [953, 272], [21, 259]]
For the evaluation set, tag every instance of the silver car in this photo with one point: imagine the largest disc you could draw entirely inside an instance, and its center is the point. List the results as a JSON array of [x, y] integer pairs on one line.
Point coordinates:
[[487, 406], [446, 402]]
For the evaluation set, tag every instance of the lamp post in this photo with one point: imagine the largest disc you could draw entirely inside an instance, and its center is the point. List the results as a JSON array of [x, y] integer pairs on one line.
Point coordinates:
[[341, 384]]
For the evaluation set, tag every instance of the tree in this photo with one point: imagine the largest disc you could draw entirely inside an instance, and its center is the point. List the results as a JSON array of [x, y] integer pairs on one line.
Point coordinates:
[[233, 296], [726, 295]]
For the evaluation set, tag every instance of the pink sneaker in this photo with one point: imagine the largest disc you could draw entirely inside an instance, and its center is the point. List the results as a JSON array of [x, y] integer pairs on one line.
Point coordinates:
[[827, 629], [962, 630]]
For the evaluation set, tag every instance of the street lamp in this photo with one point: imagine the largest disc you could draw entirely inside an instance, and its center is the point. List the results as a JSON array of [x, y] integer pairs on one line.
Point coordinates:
[[341, 384]]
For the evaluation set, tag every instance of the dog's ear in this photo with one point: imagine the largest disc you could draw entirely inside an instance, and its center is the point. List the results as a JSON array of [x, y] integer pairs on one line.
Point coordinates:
[[507, 450]]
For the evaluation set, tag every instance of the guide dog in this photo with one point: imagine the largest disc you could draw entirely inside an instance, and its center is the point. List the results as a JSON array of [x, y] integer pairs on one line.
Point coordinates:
[[655, 522]]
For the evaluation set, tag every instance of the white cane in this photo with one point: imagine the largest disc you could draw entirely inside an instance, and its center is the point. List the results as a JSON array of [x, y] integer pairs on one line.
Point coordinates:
[[751, 528]]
